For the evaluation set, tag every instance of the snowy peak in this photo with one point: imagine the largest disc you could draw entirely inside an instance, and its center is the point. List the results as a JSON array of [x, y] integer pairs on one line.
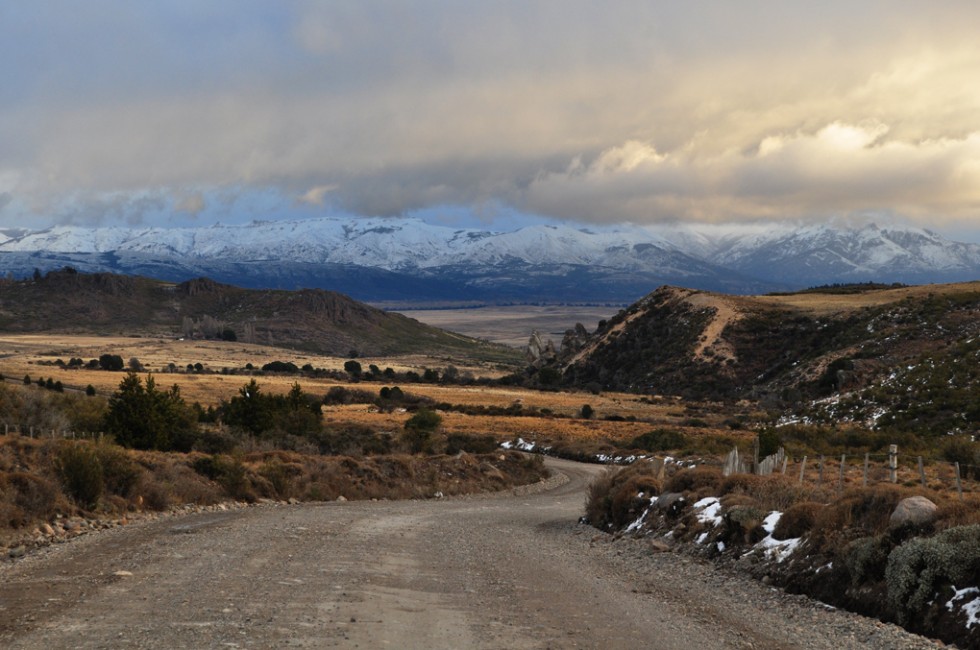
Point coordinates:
[[542, 262]]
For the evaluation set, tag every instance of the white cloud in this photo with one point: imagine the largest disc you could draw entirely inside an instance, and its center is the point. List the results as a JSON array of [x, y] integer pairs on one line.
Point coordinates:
[[315, 195], [624, 110], [840, 169]]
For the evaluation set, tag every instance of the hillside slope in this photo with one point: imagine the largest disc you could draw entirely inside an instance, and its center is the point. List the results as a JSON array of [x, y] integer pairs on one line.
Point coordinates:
[[313, 320], [903, 357]]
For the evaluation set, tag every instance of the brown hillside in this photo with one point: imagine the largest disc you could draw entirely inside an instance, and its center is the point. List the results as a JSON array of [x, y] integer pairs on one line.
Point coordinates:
[[313, 320]]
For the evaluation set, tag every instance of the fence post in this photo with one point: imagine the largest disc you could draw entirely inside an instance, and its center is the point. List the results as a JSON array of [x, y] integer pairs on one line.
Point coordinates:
[[840, 479], [922, 472], [893, 463], [820, 472], [866, 461], [802, 469], [755, 456], [785, 460], [959, 485]]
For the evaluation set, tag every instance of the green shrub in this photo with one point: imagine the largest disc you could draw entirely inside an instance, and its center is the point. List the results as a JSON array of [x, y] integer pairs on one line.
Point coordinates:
[[743, 523], [920, 567], [457, 442], [866, 559], [80, 471], [227, 471], [120, 473], [659, 440]]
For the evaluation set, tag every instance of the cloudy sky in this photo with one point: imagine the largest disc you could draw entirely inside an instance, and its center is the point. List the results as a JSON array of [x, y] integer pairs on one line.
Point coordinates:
[[496, 112]]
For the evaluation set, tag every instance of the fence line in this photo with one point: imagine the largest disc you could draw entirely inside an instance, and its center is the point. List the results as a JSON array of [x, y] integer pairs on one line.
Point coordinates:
[[916, 469]]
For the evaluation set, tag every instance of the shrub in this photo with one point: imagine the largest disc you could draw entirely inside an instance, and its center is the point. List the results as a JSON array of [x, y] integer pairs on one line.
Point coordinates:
[[280, 476], [865, 510], [866, 559], [659, 440], [614, 498], [227, 471], [743, 523], [419, 429], [918, 568], [797, 520], [31, 496], [696, 479], [80, 471], [119, 472], [458, 442]]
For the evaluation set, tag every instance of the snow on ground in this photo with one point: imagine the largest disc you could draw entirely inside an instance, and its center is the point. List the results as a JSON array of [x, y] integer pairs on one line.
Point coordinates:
[[971, 609], [775, 548], [520, 445], [710, 508]]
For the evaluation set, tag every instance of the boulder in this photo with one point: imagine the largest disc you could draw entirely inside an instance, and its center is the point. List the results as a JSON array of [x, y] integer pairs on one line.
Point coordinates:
[[671, 503], [916, 510]]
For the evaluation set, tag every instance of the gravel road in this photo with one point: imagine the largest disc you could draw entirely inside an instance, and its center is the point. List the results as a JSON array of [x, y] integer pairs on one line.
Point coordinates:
[[488, 572]]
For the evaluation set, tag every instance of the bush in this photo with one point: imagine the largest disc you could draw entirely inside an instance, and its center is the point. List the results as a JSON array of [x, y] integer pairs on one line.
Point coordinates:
[[80, 471], [659, 440], [866, 559], [458, 442], [120, 473], [797, 520], [32, 497], [697, 479], [614, 497], [920, 567], [864, 510], [227, 471], [743, 523]]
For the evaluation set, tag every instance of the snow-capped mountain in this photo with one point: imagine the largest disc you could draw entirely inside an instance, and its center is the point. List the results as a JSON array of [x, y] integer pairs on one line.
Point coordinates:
[[408, 259]]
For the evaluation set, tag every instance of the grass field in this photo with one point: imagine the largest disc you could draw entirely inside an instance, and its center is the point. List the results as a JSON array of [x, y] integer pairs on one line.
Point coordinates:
[[35, 355], [513, 325]]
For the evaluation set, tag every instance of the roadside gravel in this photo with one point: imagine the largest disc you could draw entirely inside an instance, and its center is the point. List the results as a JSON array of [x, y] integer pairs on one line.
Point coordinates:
[[512, 571]]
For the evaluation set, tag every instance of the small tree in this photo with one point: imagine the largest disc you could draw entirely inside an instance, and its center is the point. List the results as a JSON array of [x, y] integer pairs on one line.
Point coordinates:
[[587, 412], [111, 362], [419, 429], [353, 368], [143, 417], [27, 380]]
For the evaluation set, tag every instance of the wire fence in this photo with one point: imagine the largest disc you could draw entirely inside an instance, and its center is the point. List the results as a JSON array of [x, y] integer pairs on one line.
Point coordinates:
[[846, 471]]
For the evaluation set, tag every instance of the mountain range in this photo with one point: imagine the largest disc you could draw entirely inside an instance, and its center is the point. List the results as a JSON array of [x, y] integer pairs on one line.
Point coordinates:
[[410, 261]]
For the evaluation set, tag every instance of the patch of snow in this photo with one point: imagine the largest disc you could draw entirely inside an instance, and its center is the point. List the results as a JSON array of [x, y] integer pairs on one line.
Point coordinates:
[[701, 538], [721, 547], [710, 509], [971, 609], [774, 548], [521, 445]]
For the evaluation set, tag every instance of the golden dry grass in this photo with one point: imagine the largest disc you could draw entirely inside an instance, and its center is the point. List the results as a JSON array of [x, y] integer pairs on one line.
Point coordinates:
[[35, 354], [819, 303]]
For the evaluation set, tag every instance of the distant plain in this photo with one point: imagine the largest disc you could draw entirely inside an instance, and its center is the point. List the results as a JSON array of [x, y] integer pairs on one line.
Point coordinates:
[[513, 325]]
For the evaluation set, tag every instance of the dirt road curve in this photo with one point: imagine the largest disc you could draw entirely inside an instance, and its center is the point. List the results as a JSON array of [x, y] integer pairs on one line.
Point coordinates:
[[504, 572]]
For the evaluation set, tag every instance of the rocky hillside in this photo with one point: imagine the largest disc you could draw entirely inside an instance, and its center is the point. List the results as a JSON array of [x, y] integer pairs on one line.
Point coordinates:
[[315, 320], [898, 356]]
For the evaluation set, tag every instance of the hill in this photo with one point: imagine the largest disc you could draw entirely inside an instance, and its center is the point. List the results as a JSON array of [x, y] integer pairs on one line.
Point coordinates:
[[312, 320], [901, 357]]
